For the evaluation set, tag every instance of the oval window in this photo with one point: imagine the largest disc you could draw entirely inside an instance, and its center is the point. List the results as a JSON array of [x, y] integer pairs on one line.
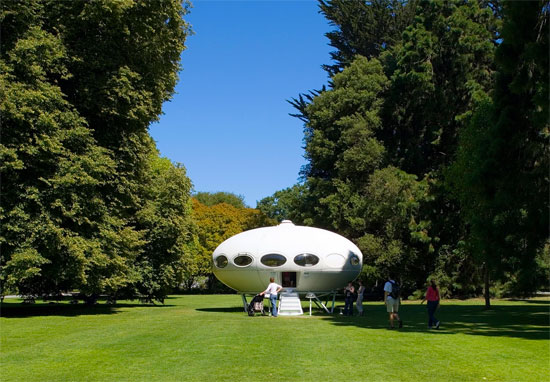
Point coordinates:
[[306, 260], [242, 260], [221, 261], [335, 260], [354, 260], [273, 260]]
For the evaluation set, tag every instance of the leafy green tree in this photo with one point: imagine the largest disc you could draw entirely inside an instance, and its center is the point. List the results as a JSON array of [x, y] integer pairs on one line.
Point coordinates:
[[81, 81], [57, 233], [439, 61], [210, 199], [289, 204], [166, 220], [393, 237], [213, 225]]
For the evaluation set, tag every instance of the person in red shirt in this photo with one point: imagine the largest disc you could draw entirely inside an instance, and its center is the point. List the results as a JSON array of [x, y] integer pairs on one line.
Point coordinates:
[[433, 297]]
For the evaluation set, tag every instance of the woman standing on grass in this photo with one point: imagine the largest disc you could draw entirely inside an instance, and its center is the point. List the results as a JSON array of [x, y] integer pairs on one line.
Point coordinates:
[[433, 297], [348, 299]]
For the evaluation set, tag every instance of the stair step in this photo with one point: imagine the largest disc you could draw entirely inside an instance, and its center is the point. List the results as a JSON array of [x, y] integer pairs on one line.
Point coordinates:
[[290, 305]]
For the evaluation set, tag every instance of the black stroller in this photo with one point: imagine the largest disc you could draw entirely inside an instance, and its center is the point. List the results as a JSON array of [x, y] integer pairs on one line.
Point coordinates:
[[256, 305]]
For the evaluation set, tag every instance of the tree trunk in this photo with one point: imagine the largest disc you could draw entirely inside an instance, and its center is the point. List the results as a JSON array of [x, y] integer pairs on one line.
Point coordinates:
[[486, 292]]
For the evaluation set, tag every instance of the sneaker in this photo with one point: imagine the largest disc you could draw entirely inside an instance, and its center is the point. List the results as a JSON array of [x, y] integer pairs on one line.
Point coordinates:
[[400, 324], [437, 325]]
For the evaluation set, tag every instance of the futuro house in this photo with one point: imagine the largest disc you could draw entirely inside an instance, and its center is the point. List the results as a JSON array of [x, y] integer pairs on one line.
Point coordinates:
[[301, 259]]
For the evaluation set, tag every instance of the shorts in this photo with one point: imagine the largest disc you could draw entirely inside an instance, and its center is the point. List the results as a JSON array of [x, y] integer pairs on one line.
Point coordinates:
[[392, 305]]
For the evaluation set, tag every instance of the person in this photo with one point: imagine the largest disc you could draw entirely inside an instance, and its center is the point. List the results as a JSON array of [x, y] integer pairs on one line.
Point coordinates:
[[272, 289], [348, 298], [433, 297], [392, 300], [359, 302]]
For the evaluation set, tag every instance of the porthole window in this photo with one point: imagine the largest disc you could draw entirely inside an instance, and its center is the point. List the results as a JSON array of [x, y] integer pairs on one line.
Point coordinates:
[[306, 260], [242, 260], [273, 260], [221, 261], [354, 260]]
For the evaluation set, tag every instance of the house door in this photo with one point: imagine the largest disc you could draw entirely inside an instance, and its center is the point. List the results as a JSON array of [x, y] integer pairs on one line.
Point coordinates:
[[289, 279]]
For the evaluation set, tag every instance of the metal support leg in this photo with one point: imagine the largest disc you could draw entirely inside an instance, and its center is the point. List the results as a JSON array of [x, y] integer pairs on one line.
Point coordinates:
[[320, 304], [245, 304]]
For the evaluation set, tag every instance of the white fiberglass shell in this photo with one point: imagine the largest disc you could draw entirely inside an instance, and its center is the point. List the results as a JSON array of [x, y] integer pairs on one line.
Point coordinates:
[[305, 259]]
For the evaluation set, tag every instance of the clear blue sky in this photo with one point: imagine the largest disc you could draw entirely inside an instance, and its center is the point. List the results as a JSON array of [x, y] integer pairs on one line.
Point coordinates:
[[228, 123]]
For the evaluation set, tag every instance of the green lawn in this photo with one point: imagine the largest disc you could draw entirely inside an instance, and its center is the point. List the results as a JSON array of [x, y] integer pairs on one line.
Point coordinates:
[[209, 338]]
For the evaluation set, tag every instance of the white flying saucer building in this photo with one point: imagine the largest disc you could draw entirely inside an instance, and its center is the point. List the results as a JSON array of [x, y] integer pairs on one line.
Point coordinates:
[[304, 260]]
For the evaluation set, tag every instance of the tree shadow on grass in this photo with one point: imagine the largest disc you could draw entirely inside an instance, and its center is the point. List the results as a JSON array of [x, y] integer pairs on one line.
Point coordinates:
[[15, 309], [541, 302], [229, 309], [519, 321]]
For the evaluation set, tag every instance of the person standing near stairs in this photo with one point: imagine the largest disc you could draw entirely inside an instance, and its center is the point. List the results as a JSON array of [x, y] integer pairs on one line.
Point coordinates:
[[272, 289]]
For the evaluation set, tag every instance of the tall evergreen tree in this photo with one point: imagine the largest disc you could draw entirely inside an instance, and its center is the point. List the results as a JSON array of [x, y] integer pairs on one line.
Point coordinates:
[[350, 187], [365, 28], [439, 64], [501, 174], [446, 58]]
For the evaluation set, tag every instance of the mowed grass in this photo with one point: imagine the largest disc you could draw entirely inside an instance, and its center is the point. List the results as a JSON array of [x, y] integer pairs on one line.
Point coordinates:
[[210, 338]]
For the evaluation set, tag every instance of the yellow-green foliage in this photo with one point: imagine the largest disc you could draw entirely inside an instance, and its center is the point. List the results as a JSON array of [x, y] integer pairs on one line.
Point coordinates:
[[216, 223]]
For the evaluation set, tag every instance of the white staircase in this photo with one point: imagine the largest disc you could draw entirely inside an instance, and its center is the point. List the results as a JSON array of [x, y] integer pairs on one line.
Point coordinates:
[[289, 304]]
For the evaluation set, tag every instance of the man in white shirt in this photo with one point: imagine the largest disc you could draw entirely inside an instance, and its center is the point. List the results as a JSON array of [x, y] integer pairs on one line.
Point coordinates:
[[272, 289], [392, 301]]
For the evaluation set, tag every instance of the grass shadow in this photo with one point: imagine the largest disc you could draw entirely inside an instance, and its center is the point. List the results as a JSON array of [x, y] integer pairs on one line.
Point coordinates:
[[519, 321], [18, 310], [540, 302], [232, 309]]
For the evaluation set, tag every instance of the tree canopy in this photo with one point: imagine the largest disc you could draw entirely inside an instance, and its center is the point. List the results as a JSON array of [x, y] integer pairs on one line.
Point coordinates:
[[86, 202], [211, 199], [214, 224], [430, 145]]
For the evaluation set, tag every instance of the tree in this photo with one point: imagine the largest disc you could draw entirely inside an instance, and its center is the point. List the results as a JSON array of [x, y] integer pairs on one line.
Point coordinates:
[[350, 187], [55, 221], [81, 81], [365, 28], [438, 58], [214, 224], [446, 58], [289, 204], [165, 218], [444, 65], [501, 171], [210, 199]]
